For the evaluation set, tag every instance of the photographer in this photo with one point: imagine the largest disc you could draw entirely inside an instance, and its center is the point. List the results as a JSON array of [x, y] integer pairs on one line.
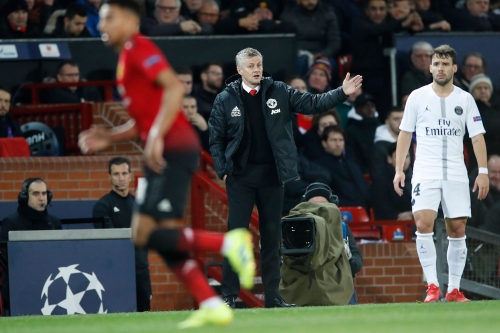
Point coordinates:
[[321, 193], [31, 215]]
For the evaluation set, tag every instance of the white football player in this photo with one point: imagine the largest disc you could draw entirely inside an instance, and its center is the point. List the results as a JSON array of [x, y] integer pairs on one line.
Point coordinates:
[[439, 113]]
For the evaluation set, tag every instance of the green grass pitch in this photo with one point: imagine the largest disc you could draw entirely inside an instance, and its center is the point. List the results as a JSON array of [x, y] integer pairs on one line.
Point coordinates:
[[477, 317]]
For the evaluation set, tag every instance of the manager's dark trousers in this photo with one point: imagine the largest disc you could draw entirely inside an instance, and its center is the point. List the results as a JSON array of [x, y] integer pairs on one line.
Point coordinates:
[[259, 185]]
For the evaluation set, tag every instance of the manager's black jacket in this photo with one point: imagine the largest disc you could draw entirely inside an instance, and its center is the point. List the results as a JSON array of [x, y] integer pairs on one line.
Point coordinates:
[[227, 122]]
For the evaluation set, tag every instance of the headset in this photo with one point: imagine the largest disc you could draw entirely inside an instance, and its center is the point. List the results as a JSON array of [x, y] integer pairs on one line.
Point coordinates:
[[321, 186], [23, 196]]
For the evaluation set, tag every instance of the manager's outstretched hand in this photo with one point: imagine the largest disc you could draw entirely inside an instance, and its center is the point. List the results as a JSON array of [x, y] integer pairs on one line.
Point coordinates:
[[351, 85]]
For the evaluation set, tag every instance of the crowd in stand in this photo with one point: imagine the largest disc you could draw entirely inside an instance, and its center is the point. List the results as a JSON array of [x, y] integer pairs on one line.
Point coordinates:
[[352, 147]]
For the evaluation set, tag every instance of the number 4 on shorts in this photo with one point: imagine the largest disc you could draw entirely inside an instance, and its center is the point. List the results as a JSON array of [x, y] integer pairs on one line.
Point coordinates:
[[416, 190]]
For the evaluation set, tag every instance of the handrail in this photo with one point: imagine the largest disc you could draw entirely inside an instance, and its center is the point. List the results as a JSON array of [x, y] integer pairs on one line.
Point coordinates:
[[35, 88]]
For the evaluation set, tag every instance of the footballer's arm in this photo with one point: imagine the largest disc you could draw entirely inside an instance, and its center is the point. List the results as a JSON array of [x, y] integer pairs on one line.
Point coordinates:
[[170, 105], [482, 181], [98, 138], [404, 141]]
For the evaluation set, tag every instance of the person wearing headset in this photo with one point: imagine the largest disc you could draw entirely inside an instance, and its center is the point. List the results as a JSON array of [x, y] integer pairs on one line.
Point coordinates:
[[31, 214]]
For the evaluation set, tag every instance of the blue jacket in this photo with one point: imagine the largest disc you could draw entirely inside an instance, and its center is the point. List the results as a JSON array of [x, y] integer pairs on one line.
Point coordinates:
[[92, 18]]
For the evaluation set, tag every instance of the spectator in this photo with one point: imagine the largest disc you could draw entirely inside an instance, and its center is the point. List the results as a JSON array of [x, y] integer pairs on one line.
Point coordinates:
[[190, 8], [316, 27], [370, 35], [347, 179], [387, 204], [31, 214], [312, 147], [474, 63], [319, 76], [16, 25], [385, 136], [492, 200], [301, 123], [419, 74], [190, 108], [69, 72], [430, 20], [360, 131], [92, 9], [39, 12], [185, 75], [474, 17], [211, 85], [118, 205], [8, 127], [430, 15], [209, 14], [168, 22], [347, 107], [74, 24], [481, 89]]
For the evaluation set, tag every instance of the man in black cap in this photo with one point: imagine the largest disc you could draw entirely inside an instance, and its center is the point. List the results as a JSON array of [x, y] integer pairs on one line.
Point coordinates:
[[321, 193], [15, 21], [360, 131]]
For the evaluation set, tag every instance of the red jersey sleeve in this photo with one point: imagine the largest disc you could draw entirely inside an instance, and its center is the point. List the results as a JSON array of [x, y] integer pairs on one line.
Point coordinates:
[[149, 59]]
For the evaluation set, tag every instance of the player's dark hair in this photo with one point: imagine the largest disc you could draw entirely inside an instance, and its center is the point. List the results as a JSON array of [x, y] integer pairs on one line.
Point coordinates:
[[477, 55], [331, 129], [445, 51], [398, 108], [135, 6], [118, 161], [332, 112], [206, 67], [391, 149], [75, 9], [184, 71], [64, 63]]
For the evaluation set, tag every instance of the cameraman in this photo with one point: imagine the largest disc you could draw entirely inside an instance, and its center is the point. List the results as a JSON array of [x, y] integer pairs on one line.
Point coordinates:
[[321, 193], [31, 215]]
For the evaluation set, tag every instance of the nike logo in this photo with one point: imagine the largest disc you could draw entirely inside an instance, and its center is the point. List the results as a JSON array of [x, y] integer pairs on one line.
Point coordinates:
[[116, 210]]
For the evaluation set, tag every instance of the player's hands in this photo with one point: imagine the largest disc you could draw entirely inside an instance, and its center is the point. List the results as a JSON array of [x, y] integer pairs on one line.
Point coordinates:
[[251, 22], [94, 139], [153, 153], [482, 184], [350, 85], [190, 27], [399, 180]]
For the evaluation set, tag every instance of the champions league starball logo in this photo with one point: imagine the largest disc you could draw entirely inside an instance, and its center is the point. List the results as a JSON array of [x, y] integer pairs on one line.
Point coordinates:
[[72, 292]]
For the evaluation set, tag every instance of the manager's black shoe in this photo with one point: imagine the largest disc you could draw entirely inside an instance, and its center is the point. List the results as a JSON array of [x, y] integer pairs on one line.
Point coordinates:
[[230, 301], [278, 302]]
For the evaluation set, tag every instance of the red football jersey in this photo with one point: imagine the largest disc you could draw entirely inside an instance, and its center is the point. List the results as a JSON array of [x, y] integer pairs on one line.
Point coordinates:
[[139, 64]]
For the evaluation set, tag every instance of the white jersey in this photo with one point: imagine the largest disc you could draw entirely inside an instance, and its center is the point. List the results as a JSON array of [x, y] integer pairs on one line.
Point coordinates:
[[440, 127]]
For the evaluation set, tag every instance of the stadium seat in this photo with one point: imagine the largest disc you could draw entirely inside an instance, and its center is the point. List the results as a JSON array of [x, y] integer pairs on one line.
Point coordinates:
[[344, 63], [359, 214]]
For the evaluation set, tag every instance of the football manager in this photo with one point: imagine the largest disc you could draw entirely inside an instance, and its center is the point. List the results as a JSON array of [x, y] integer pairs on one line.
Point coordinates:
[[251, 142]]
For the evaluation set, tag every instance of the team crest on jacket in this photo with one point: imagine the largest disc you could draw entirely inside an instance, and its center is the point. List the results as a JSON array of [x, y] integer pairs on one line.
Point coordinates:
[[459, 110], [271, 103]]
